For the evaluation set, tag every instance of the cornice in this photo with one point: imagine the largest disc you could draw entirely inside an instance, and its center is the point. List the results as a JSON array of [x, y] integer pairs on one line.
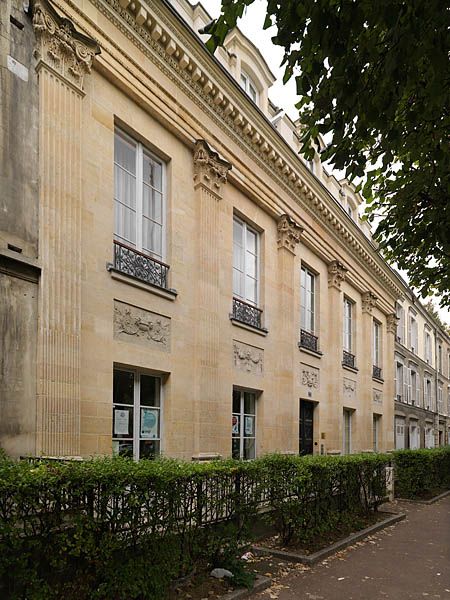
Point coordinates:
[[166, 40]]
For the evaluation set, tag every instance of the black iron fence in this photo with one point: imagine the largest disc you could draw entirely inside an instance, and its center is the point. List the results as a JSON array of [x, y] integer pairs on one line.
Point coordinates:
[[132, 262]]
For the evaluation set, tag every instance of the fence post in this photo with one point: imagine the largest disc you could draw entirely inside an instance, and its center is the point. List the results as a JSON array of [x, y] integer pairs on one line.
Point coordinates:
[[390, 482]]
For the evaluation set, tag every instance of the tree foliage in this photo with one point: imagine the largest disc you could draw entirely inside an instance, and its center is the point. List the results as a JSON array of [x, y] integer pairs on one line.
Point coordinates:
[[375, 77]]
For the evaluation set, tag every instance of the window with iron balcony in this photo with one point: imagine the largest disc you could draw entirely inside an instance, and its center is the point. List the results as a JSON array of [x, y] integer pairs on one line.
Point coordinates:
[[376, 352], [246, 244], [139, 212], [348, 357], [308, 338]]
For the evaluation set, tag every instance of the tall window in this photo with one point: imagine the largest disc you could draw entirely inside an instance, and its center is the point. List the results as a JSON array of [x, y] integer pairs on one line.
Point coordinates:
[[440, 358], [136, 414], [138, 196], [243, 424], [376, 432], [249, 87], [429, 436], [412, 333], [245, 262], [399, 433], [347, 431], [348, 325], [400, 323], [399, 381], [413, 387], [307, 299], [440, 399], [427, 393], [428, 352], [376, 344]]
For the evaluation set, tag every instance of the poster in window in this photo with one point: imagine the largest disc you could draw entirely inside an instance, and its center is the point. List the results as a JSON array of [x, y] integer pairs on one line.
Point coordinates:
[[149, 423], [248, 426], [235, 425], [121, 421]]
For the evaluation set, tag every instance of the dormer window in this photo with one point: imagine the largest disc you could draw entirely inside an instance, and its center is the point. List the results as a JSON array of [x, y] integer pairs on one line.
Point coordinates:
[[249, 87]]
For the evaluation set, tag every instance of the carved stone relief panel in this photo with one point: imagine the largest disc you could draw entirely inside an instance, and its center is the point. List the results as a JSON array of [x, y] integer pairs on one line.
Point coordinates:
[[349, 388], [133, 324], [378, 396], [309, 377], [248, 358]]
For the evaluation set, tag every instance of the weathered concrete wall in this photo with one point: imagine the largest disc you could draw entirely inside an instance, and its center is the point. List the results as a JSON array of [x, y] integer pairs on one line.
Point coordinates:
[[18, 230]]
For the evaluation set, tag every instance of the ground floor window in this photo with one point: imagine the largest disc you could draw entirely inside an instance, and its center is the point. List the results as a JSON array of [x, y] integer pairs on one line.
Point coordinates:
[[414, 435], [243, 424], [429, 437], [347, 431], [399, 433], [136, 414], [376, 432]]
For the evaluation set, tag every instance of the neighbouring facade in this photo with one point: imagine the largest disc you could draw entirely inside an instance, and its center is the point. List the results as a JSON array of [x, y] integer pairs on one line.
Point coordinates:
[[200, 290]]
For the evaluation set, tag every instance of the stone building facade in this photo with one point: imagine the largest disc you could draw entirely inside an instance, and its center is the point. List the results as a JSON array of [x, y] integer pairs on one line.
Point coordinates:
[[422, 378], [203, 291]]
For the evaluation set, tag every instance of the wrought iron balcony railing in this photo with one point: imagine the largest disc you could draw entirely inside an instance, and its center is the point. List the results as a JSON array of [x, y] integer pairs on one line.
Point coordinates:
[[309, 341], [246, 313], [348, 359], [376, 372], [130, 261]]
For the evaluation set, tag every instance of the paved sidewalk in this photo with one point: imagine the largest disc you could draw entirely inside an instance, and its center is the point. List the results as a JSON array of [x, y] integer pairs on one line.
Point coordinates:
[[410, 560]]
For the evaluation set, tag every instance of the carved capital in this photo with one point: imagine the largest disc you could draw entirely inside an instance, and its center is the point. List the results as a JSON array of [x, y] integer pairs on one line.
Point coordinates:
[[60, 47], [369, 300], [392, 323], [336, 274], [289, 233], [210, 170]]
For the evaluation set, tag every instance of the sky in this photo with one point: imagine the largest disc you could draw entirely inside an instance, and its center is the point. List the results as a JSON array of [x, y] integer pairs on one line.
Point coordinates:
[[283, 95]]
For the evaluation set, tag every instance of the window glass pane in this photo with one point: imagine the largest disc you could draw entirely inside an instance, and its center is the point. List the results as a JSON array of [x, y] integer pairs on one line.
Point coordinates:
[[152, 204], [125, 153], [123, 387], [151, 237], [152, 172], [236, 448], [238, 233], [238, 257], [237, 283], [249, 403], [250, 264], [235, 425], [236, 401], [251, 241], [249, 448], [123, 448], [252, 92], [249, 426], [243, 81], [122, 422], [250, 290], [150, 390], [149, 448], [150, 423]]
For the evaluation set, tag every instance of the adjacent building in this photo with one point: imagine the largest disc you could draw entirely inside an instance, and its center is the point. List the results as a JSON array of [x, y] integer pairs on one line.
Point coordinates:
[[200, 290]]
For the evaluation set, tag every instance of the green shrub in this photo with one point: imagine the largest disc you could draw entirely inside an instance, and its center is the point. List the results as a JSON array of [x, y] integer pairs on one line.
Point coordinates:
[[421, 473], [113, 528]]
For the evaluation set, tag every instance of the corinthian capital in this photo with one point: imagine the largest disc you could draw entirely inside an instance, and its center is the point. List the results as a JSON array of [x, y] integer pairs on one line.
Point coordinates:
[[369, 301], [391, 323], [210, 170], [60, 46], [336, 274], [289, 233]]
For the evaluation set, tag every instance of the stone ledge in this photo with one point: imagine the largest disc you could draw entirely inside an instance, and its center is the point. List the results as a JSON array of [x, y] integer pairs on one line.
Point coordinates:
[[352, 369], [312, 559], [261, 331], [261, 583], [317, 354], [169, 294], [431, 501]]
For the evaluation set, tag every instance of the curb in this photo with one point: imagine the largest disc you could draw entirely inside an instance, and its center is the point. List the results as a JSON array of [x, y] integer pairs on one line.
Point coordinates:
[[312, 559], [261, 583], [431, 501]]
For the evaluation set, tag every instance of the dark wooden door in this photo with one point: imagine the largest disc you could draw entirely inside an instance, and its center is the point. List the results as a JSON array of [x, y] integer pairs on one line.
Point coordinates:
[[306, 427]]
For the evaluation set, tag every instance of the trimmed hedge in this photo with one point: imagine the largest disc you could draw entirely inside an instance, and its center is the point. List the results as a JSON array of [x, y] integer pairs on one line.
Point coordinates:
[[421, 473], [113, 528]]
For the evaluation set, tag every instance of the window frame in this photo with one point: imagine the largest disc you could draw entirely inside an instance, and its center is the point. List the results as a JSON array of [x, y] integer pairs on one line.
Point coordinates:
[[140, 150], [243, 273], [249, 82], [376, 422], [376, 343], [308, 273], [348, 333], [347, 431], [137, 411], [242, 421]]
